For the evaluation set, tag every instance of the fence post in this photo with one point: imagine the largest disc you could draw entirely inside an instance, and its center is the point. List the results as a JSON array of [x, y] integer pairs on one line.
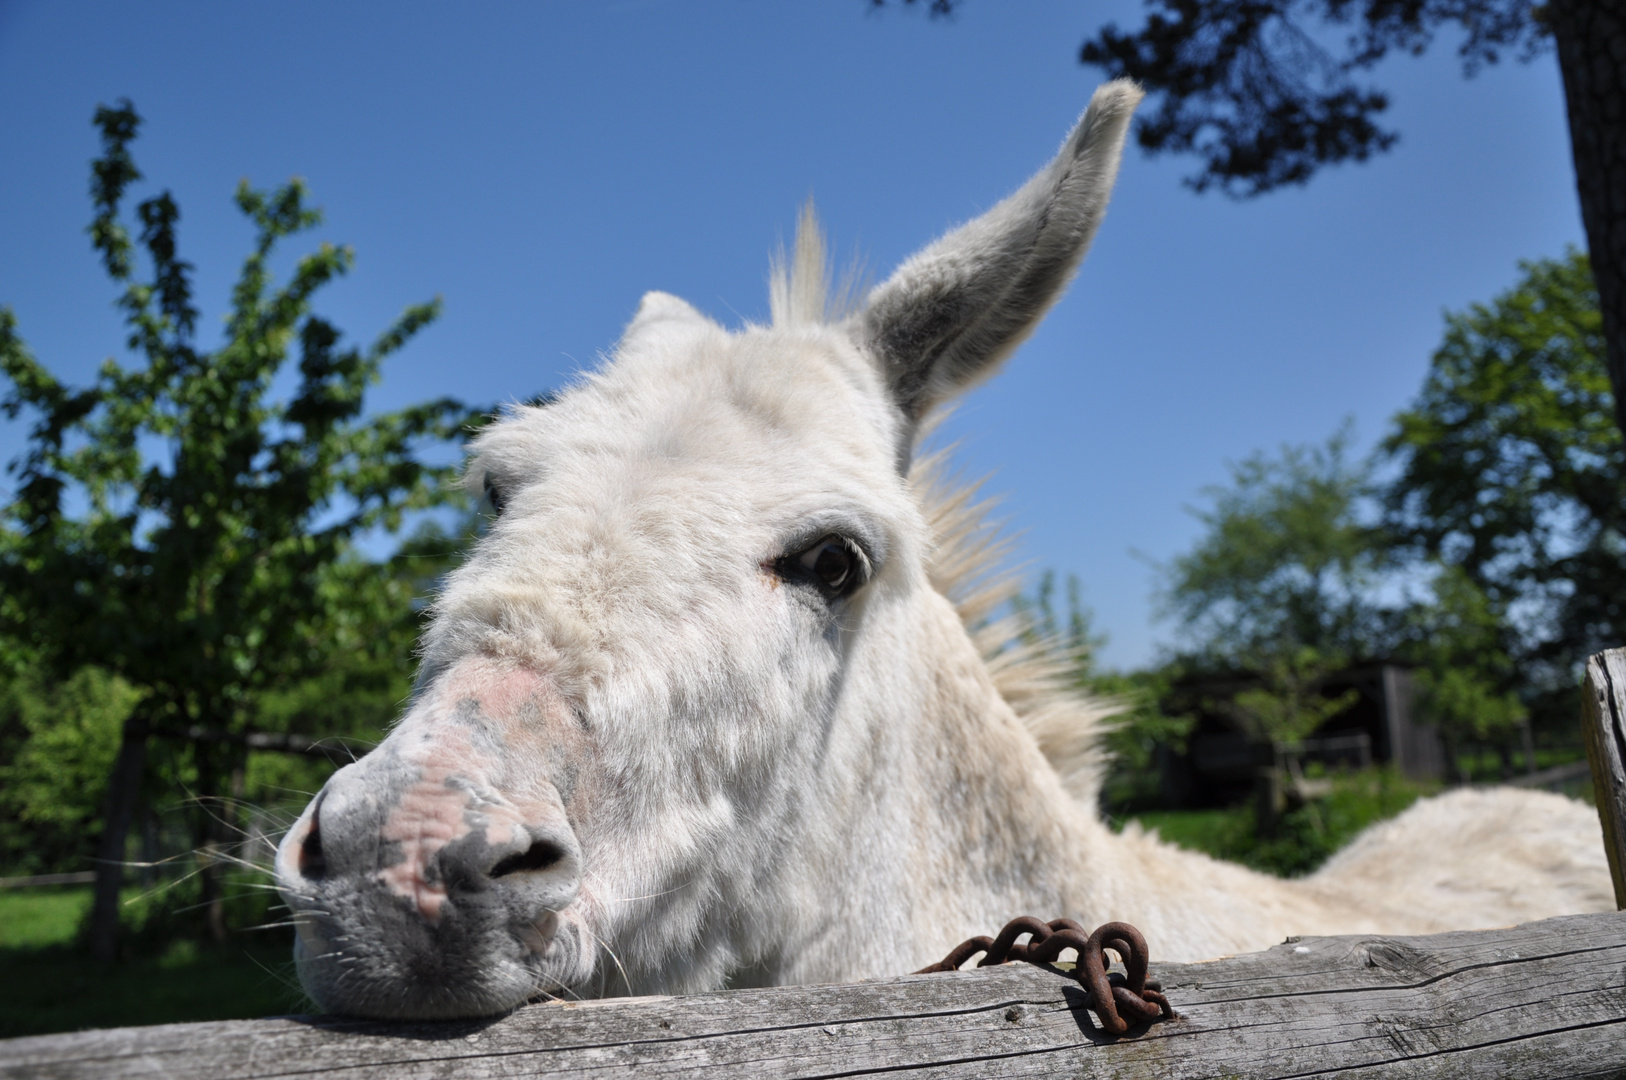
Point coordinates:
[[1603, 720]]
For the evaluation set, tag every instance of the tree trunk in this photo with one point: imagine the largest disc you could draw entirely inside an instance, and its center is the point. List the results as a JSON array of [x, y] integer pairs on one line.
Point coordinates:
[[1591, 39], [123, 787], [219, 824]]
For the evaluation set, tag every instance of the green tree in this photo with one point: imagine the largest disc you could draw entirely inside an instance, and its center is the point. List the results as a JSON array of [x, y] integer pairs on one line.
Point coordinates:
[[1503, 490], [1285, 563], [1467, 683], [1288, 705], [177, 527], [1508, 468], [1280, 589], [57, 742]]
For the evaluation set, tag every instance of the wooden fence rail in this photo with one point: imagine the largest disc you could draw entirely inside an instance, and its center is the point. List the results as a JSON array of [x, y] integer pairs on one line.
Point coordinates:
[[1543, 1000]]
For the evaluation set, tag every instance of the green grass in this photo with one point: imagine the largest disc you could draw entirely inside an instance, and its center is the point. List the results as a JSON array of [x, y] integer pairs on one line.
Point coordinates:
[[48, 983], [30, 918], [1306, 836], [1215, 832]]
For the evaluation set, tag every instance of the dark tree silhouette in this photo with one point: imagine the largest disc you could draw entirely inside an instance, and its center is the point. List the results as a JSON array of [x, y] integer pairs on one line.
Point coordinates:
[[1254, 90]]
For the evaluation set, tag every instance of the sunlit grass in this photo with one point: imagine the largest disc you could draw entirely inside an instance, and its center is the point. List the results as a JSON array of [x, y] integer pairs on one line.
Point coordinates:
[[1307, 836], [48, 983], [31, 918]]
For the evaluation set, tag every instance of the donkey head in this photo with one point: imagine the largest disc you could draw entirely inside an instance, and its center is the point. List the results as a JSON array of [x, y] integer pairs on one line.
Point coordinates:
[[666, 689]]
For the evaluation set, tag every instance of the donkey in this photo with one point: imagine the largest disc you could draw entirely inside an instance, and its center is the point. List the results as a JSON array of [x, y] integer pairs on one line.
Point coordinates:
[[702, 708]]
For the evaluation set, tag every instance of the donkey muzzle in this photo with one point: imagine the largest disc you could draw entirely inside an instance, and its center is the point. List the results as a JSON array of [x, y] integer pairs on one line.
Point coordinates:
[[428, 879]]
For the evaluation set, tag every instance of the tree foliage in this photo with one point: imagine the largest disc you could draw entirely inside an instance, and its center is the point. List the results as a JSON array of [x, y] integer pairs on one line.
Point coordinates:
[[1285, 562], [58, 740], [180, 528], [1266, 92], [1467, 680], [173, 524], [1279, 589], [1289, 704], [1508, 468], [1492, 555], [1259, 93]]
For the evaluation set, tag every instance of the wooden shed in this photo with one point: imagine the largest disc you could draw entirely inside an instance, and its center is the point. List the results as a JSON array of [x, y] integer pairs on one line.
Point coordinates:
[[1220, 761]]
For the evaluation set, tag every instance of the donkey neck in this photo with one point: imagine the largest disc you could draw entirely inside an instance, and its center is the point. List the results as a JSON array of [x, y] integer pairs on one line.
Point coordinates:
[[961, 824], [945, 818]]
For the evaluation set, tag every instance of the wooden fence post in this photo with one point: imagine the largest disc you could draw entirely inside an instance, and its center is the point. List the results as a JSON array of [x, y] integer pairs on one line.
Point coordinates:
[[1603, 718]]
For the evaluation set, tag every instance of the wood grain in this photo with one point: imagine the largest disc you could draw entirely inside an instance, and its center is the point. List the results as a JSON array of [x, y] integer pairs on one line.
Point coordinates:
[[1543, 1000], [1603, 722]]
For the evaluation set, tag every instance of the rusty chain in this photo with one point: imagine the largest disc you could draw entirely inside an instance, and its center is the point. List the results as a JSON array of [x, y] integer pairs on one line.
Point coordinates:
[[1108, 992]]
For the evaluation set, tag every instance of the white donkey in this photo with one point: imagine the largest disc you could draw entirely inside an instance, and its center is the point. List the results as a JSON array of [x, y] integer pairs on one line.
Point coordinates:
[[701, 710]]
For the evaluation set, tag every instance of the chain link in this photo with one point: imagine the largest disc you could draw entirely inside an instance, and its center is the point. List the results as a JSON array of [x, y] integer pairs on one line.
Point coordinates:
[[1111, 996]]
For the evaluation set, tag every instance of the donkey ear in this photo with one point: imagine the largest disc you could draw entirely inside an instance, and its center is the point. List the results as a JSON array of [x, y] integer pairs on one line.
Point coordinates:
[[953, 311]]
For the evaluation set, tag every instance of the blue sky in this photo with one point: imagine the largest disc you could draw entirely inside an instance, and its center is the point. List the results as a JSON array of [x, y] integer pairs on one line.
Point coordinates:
[[541, 165]]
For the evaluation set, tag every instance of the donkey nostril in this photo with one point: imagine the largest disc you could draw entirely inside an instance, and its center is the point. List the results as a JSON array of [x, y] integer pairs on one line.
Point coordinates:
[[539, 856], [312, 862]]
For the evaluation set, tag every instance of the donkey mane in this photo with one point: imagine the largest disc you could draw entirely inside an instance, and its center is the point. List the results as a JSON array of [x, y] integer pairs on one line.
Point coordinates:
[[970, 557]]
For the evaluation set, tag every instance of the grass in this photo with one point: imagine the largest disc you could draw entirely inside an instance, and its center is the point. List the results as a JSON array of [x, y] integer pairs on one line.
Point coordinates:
[[1306, 836], [48, 983], [30, 918]]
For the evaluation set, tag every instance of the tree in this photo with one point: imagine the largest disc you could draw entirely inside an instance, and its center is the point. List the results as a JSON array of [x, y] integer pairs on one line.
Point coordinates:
[[1508, 469], [1285, 564], [1289, 704], [175, 526], [1252, 88], [1280, 589], [1499, 562], [57, 742], [1467, 682]]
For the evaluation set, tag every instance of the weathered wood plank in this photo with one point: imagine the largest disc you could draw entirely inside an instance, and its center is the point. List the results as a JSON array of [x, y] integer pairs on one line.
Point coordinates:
[[1603, 720], [1543, 1000]]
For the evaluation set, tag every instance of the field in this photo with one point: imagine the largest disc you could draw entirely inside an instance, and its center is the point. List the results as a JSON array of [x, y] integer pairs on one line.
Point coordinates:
[[48, 984]]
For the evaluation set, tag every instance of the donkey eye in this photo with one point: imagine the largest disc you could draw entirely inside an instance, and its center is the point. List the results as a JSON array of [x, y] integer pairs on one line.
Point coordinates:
[[494, 496], [834, 562]]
